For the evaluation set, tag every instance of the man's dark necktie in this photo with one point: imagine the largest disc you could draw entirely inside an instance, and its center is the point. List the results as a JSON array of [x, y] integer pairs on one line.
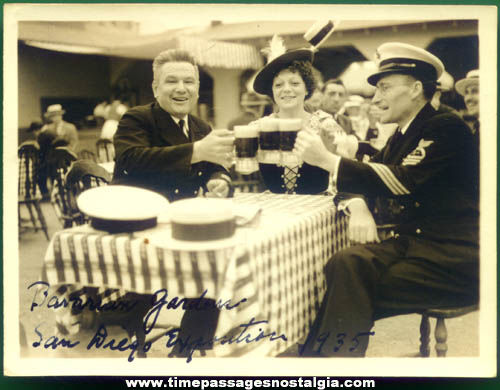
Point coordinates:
[[396, 138], [183, 128]]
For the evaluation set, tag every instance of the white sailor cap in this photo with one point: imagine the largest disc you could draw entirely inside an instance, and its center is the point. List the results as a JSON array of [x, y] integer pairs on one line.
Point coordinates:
[[402, 58], [471, 78]]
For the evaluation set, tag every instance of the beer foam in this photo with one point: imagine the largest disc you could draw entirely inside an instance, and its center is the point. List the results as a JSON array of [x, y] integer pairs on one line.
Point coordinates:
[[294, 124], [269, 124], [248, 131]]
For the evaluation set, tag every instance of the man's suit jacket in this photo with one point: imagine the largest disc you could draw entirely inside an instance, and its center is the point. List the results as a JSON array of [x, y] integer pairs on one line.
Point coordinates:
[[64, 132], [425, 181], [152, 152]]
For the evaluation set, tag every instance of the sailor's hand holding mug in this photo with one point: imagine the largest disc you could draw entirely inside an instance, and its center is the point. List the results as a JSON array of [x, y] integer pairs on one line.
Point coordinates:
[[336, 140], [311, 148]]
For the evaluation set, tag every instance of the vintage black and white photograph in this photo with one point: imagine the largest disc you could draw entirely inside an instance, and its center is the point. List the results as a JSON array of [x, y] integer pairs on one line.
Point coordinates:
[[250, 189]]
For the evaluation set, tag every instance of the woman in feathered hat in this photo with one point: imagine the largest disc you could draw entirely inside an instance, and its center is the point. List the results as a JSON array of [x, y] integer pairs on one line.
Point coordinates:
[[288, 80]]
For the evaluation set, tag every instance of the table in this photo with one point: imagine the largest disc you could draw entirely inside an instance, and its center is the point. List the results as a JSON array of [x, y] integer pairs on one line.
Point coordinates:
[[277, 267]]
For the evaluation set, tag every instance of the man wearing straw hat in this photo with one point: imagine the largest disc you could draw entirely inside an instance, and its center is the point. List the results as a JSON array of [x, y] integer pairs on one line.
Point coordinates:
[[63, 130], [425, 181], [468, 87]]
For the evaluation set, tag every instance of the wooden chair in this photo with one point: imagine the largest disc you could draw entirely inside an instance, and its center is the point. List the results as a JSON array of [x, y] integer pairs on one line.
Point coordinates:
[[60, 160], [440, 314], [28, 190], [105, 150], [440, 331], [82, 175], [86, 318], [86, 154]]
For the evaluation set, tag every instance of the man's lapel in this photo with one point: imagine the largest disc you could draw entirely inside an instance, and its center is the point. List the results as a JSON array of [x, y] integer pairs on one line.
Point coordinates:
[[169, 131], [407, 142], [195, 132]]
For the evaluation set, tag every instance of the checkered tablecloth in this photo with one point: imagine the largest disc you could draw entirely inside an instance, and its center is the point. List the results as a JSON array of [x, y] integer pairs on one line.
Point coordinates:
[[277, 267]]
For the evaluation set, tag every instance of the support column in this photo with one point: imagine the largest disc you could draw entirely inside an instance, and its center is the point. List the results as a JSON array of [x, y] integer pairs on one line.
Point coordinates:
[[226, 94]]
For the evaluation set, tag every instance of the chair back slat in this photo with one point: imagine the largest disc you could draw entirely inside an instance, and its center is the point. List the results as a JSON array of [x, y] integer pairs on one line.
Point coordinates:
[[105, 150], [59, 162], [83, 175], [86, 154], [29, 164]]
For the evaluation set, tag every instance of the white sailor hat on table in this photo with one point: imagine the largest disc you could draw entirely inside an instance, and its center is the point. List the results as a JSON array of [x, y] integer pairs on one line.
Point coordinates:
[[471, 79], [402, 58], [120, 208]]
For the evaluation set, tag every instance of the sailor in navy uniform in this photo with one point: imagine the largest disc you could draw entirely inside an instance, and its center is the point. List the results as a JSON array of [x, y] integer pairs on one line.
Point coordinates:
[[424, 186]]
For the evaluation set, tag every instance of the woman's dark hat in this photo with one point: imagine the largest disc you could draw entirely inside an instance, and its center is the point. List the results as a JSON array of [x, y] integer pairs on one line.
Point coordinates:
[[277, 60], [263, 82]]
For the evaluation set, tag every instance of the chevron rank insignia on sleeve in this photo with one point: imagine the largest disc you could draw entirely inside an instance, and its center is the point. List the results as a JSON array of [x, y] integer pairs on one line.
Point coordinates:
[[418, 154]]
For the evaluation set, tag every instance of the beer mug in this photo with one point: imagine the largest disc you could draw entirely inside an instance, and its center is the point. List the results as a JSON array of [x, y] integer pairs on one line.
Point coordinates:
[[269, 141], [246, 145], [288, 134]]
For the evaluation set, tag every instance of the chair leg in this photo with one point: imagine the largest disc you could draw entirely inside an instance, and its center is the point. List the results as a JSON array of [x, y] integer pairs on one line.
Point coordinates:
[[425, 331], [441, 334], [32, 215], [42, 219]]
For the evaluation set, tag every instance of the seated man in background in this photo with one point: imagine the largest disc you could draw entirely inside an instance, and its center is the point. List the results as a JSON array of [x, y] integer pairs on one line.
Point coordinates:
[[425, 182], [334, 97], [161, 147], [35, 129], [66, 134]]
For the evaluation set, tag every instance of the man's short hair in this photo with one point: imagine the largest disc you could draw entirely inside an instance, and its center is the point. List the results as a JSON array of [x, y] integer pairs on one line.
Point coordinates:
[[428, 87], [172, 55], [333, 81]]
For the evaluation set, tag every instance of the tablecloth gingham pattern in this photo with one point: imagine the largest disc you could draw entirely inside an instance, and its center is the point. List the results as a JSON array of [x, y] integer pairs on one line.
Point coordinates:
[[281, 274], [278, 270]]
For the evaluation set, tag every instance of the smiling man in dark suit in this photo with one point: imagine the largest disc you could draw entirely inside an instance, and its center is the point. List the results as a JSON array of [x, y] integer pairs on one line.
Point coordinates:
[[161, 147], [425, 183]]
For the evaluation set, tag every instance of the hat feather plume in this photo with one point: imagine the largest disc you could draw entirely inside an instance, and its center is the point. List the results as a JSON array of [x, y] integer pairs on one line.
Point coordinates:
[[275, 49]]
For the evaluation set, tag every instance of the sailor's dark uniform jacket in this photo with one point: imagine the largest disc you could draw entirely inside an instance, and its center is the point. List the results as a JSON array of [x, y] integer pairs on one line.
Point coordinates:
[[424, 182]]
